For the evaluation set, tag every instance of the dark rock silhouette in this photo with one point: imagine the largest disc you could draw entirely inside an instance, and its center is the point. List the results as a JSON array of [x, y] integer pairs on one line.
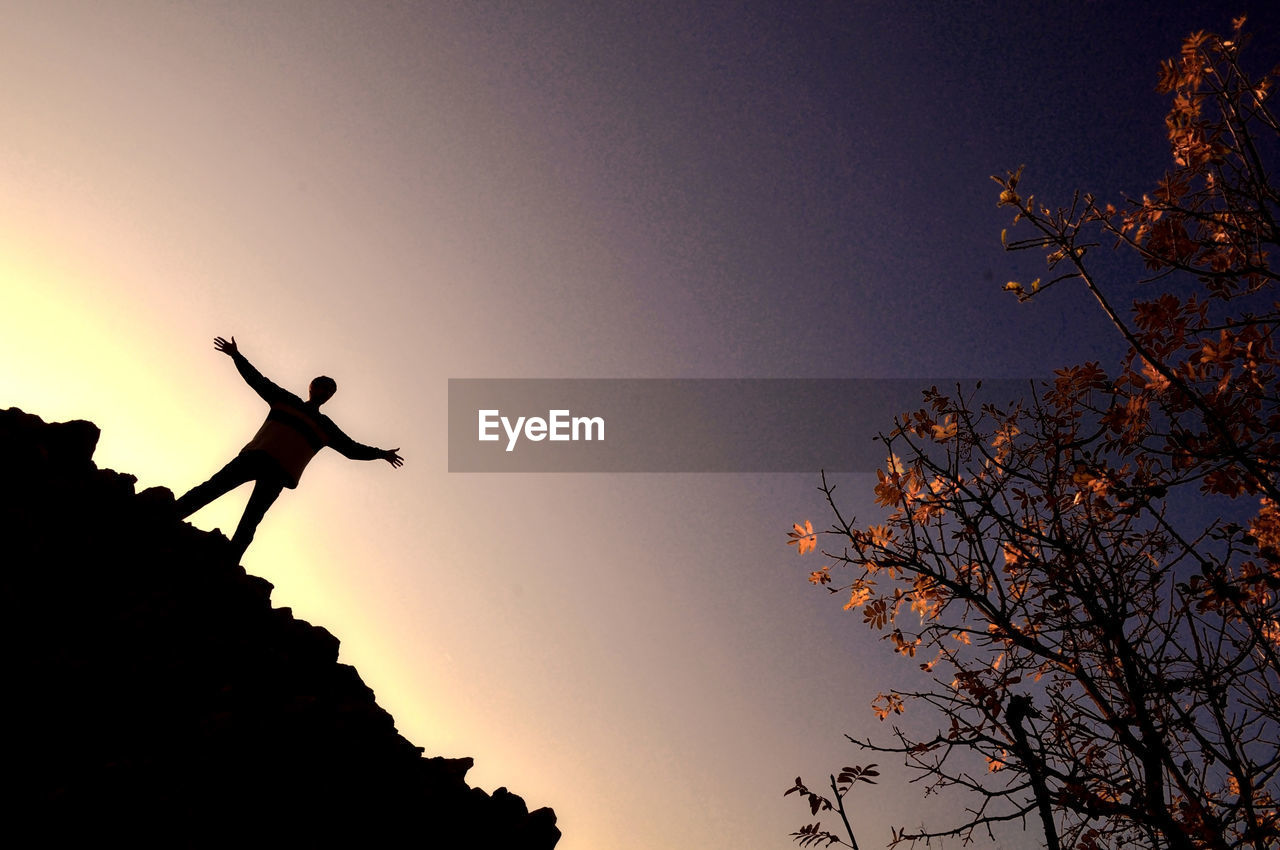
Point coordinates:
[[155, 698]]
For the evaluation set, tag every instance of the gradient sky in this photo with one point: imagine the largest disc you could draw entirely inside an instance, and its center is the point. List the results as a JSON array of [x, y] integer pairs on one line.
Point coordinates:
[[398, 193]]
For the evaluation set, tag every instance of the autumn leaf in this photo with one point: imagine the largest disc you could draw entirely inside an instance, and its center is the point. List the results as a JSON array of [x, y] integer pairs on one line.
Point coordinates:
[[888, 493], [858, 596], [804, 538], [850, 775], [945, 430], [881, 535], [885, 704], [877, 614], [895, 464]]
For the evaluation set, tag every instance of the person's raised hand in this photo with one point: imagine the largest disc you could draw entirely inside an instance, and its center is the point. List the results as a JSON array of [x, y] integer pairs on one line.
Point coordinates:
[[227, 348], [391, 457]]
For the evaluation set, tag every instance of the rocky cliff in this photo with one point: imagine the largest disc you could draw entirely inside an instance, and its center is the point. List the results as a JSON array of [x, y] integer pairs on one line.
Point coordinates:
[[156, 698]]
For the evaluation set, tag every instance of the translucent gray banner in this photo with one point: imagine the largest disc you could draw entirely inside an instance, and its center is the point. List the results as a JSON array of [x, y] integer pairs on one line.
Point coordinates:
[[686, 425]]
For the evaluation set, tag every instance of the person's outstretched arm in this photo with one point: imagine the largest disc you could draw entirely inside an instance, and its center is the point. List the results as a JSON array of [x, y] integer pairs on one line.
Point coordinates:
[[263, 387], [359, 451]]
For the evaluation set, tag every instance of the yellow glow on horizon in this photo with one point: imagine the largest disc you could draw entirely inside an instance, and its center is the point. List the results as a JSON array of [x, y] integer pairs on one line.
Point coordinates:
[[70, 352]]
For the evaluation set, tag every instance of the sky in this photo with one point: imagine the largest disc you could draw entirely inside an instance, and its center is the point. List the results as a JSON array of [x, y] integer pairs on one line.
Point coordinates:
[[396, 194]]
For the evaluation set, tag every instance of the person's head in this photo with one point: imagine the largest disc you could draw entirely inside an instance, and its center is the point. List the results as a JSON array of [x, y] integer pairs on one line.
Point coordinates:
[[322, 389]]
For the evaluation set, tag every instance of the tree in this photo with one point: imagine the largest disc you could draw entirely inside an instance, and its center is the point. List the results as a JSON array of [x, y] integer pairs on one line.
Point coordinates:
[[1089, 579]]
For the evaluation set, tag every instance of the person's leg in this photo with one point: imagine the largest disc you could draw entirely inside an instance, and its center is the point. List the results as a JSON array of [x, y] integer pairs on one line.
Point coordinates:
[[265, 491], [231, 476]]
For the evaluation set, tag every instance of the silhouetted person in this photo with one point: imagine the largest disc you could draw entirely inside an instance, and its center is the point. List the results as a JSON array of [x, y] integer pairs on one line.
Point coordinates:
[[274, 459]]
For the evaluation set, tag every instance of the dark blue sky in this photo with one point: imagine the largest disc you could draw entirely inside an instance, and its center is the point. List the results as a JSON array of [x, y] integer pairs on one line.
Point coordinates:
[[804, 187]]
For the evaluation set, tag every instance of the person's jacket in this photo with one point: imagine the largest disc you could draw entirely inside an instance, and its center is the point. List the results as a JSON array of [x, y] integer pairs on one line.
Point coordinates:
[[295, 429]]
